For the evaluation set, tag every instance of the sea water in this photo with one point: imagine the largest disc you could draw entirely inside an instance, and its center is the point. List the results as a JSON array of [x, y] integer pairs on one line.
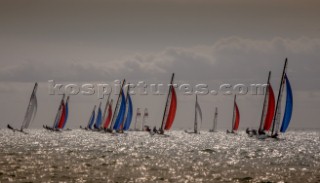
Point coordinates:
[[85, 156]]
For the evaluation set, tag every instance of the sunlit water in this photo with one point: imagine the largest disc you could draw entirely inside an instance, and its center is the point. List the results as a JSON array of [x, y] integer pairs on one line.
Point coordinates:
[[83, 156]]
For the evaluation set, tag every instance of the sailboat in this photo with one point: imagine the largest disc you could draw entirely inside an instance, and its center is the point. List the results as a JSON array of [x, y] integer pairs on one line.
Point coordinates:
[[145, 117], [197, 113], [59, 116], [107, 110], [98, 122], [30, 113], [91, 119], [235, 117], [108, 118], [63, 115], [66, 113], [215, 120], [288, 108], [138, 121], [116, 122], [169, 110], [267, 112], [129, 112]]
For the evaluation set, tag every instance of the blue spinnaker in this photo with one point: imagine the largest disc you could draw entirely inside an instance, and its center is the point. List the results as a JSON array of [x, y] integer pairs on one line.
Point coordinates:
[[99, 118], [129, 114], [121, 112], [288, 109]]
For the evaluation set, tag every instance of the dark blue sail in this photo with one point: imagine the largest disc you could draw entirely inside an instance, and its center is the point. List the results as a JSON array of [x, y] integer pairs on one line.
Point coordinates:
[[67, 113], [288, 109], [121, 112], [91, 121], [129, 114], [99, 118]]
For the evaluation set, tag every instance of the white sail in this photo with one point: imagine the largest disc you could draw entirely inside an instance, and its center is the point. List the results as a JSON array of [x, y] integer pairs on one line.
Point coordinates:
[[198, 114], [31, 109]]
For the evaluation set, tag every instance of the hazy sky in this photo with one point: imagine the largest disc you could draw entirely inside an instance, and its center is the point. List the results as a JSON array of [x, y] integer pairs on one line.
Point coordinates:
[[213, 42]]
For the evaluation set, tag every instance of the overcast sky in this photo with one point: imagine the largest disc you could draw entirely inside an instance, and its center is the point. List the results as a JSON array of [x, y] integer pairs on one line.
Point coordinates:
[[213, 42]]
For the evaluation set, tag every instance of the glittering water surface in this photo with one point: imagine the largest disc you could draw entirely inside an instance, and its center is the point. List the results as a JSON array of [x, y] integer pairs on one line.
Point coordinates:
[[83, 156]]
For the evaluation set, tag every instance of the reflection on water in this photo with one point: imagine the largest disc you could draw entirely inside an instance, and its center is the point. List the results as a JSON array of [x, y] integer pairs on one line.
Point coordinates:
[[82, 156]]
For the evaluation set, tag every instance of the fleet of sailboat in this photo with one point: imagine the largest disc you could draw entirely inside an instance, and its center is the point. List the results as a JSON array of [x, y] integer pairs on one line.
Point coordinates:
[[271, 111], [119, 120]]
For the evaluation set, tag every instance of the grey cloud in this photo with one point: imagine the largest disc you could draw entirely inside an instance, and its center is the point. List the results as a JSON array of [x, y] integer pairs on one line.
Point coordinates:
[[231, 59]]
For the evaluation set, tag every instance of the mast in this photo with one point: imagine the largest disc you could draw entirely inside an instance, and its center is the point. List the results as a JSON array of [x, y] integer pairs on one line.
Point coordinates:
[[234, 105], [195, 116], [276, 116], [116, 107], [265, 103], [165, 109]]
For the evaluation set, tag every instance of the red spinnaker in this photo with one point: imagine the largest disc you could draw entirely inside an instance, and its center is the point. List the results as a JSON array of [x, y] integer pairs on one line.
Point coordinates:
[[63, 116], [237, 118], [172, 110], [107, 122], [271, 108]]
